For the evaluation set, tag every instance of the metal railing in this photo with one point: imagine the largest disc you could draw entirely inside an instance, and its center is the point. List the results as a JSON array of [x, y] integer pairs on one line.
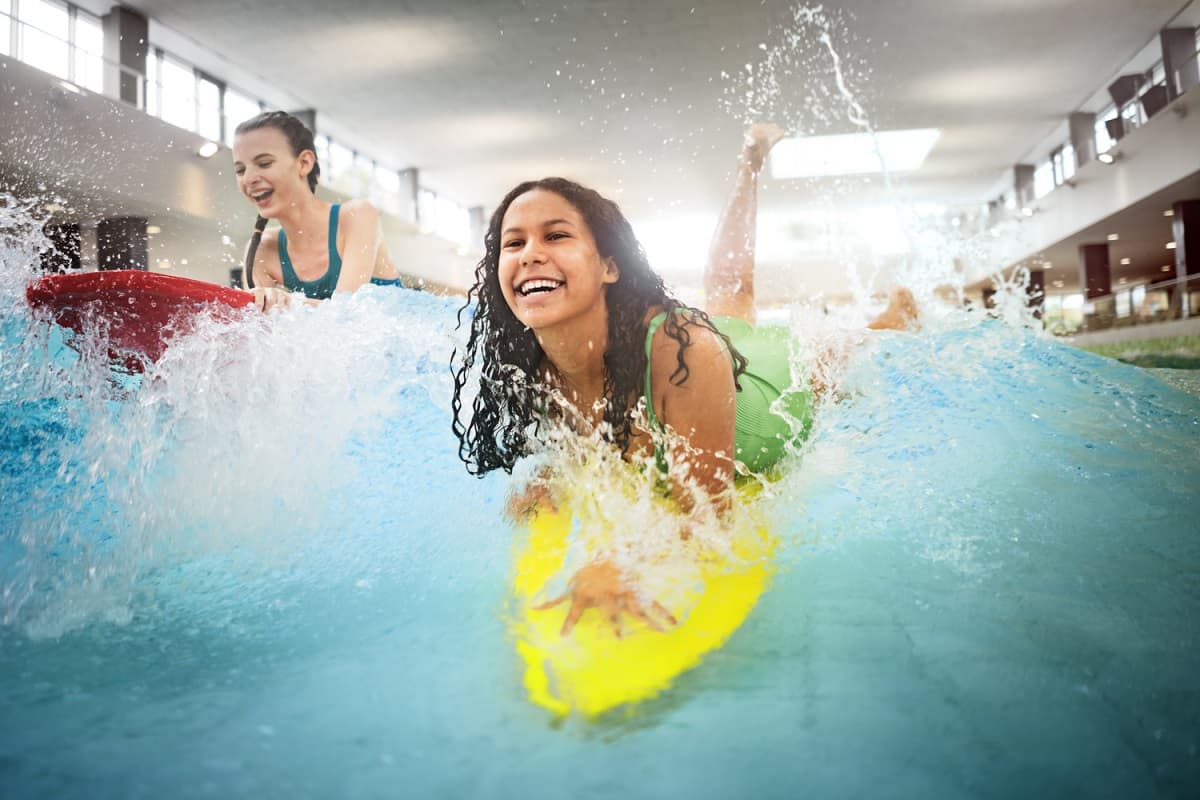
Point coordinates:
[[1160, 301]]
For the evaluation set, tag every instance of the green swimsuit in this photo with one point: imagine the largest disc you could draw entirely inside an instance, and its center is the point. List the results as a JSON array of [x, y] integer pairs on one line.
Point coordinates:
[[761, 434]]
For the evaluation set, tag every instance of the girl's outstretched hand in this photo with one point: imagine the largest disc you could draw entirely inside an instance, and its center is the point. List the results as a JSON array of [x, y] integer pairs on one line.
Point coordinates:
[[602, 586]]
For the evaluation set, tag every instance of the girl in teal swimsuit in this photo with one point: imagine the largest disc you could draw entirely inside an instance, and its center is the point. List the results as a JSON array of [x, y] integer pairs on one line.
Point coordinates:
[[564, 298], [319, 248]]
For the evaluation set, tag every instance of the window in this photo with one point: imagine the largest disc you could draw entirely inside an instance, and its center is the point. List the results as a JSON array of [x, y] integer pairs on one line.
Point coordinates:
[[153, 88], [43, 39], [178, 93], [426, 209], [385, 191], [238, 109], [1137, 299], [5, 27], [208, 108], [1067, 157], [89, 51], [340, 170], [322, 145], [1043, 179], [1103, 141]]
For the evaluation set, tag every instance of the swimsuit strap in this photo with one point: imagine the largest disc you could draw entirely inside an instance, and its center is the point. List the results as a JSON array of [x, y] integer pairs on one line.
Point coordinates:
[[652, 329]]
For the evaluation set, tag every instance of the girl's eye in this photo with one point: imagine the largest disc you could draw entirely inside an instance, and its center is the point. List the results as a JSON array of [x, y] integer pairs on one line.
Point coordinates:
[[556, 235], [511, 243]]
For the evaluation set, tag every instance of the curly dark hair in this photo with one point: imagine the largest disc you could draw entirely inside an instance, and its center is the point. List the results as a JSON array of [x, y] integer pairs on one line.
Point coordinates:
[[507, 406]]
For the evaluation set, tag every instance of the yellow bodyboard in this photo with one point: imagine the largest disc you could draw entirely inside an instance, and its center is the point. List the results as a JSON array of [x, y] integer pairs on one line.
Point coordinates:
[[591, 670]]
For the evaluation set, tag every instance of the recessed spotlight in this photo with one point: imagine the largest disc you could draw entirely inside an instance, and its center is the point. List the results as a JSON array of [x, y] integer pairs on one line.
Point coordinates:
[[1047, 265], [1058, 284], [1126, 261], [1170, 245], [163, 264], [153, 229], [1166, 268], [1027, 211], [208, 149], [1170, 212], [1114, 237], [1109, 157], [1123, 281]]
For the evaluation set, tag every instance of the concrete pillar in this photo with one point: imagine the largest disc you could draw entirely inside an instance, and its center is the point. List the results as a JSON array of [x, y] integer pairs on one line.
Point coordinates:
[[1185, 226], [121, 243], [308, 116], [1083, 136], [1036, 292], [1179, 60], [65, 251], [410, 187], [126, 42], [1023, 184], [1095, 276]]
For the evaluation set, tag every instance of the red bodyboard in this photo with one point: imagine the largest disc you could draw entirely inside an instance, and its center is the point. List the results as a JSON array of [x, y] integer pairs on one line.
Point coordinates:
[[142, 310]]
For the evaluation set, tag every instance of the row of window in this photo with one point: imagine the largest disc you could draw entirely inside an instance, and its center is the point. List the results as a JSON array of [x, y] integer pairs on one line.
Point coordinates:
[[68, 42], [1111, 122]]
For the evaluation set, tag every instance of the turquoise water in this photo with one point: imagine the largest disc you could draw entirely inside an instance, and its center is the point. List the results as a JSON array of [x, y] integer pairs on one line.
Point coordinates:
[[261, 571]]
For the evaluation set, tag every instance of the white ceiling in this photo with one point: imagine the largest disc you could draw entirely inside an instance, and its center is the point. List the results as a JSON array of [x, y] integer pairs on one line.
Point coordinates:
[[645, 98]]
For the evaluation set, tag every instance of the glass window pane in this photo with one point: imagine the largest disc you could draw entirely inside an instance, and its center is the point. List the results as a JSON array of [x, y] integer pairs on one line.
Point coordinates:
[[1103, 141], [1068, 161], [151, 87], [322, 145], [44, 36], [1043, 179], [89, 51], [238, 109], [208, 109], [340, 175], [178, 94]]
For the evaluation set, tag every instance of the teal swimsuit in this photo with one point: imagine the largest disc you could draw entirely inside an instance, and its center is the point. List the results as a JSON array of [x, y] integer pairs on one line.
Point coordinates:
[[322, 288], [761, 435]]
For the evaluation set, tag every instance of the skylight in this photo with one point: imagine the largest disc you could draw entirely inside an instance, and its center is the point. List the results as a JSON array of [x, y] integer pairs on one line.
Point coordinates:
[[852, 153]]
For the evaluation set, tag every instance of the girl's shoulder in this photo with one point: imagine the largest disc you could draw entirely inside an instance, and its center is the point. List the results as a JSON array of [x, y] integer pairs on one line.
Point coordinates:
[[357, 211], [692, 341]]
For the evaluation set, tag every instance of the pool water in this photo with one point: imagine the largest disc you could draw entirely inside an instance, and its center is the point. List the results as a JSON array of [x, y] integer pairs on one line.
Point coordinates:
[[261, 570]]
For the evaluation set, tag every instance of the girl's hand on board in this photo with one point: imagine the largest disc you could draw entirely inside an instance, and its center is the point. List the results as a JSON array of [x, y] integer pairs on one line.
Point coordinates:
[[602, 586]]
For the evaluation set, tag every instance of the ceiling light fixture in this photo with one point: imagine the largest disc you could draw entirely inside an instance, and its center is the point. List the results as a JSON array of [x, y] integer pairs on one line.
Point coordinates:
[[1114, 237], [852, 153], [1170, 212], [153, 229], [208, 149], [1166, 268], [1170, 245], [1027, 211], [1126, 261], [1123, 281], [1110, 157]]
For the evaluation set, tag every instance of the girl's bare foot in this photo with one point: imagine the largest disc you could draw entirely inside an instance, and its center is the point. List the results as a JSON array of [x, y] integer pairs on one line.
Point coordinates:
[[758, 141], [900, 314]]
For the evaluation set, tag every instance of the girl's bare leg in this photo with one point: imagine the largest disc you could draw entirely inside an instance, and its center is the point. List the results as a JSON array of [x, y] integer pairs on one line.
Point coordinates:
[[900, 313], [729, 273]]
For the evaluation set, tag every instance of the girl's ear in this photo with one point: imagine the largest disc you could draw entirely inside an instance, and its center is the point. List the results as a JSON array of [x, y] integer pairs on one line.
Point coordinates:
[[612, 273], [307, 159]]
